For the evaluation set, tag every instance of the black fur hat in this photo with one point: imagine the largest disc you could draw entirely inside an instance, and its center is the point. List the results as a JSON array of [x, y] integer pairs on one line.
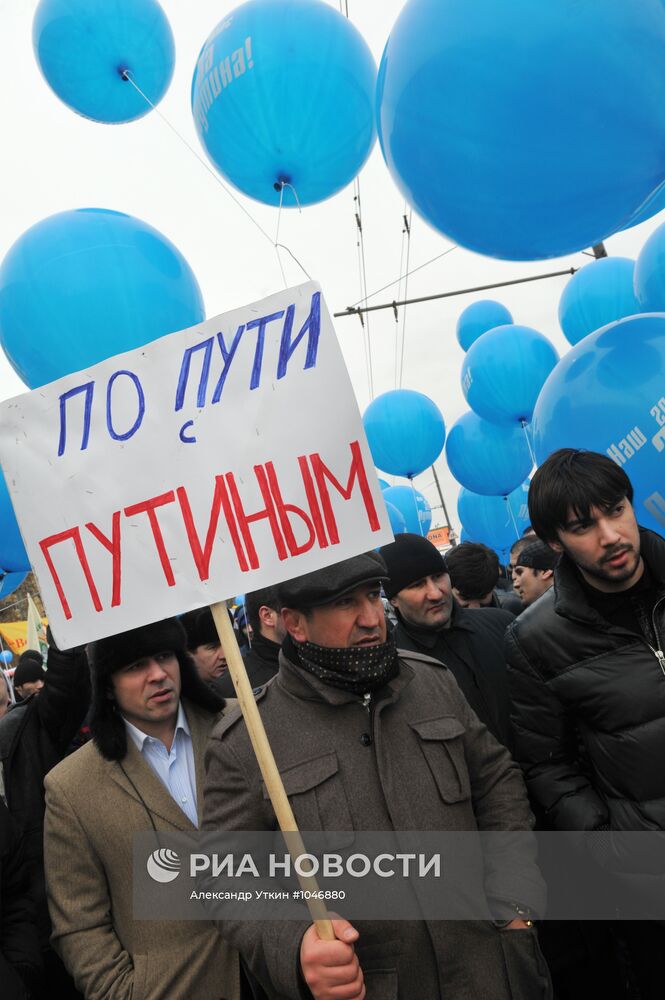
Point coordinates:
[[106, 656]]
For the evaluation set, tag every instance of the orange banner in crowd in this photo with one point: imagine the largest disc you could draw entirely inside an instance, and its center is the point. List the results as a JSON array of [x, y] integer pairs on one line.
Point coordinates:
[[440, 537], [14, 635]]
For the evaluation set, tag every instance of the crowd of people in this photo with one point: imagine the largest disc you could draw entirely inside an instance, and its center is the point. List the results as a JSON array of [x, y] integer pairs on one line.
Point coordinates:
[[459, 704]]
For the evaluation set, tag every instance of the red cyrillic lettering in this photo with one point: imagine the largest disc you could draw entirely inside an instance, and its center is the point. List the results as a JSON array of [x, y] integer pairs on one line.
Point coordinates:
[[244, 520], [149, 507], [313, 502], [356, 473], [75, 535], [283, 511], [113, 546], [202, 555]]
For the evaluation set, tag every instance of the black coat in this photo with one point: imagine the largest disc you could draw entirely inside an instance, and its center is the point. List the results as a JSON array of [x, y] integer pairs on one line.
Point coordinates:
[[20, 957], [472, 649], [589, 707], [261, 663]]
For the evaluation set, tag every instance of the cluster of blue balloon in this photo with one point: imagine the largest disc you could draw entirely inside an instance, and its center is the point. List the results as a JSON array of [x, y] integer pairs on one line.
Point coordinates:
[[482, 128], [406, 433]]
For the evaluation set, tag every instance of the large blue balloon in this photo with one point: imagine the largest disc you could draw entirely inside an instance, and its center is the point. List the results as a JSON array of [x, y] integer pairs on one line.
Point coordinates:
[[654, 204], [478, 318], [397, 521], [598, 294], [84, 46], [13, 557], [84, 285], [284, 92], [487, 458], [413, 507], [10, 582], [504, 371], [649, 277], [608, 395], [405, 432], [482, 126], [494, 521]]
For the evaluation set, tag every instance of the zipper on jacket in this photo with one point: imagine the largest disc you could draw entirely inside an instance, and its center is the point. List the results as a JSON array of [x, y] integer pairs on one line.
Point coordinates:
[[657, 652], [367, 701]]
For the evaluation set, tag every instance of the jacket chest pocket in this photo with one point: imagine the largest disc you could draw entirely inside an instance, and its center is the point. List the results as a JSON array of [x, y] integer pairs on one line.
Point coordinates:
[[442, 743], [317, 795]]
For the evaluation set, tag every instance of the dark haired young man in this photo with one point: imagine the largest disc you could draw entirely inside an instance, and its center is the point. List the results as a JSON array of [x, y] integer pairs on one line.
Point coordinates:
[[151, 717], [474, 575], [587, 668], [262, 658], [533, 571]]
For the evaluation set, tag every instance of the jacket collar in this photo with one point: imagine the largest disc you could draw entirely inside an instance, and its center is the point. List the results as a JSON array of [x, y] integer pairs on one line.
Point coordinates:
[[570, 600], [301, 684], [428, 637]]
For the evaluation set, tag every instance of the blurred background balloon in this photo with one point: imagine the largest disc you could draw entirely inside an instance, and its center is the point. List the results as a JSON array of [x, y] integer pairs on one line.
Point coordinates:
[[608, 395], [487, 458], [494, 521], [397, 521], [649, 276], [478, 318], [383, 483], [6, 656], [298, 83], [483, 130], [405, 432], [504, 371], [13, 557], [413, 507], [598, 294], [84, 46], [83, 285]]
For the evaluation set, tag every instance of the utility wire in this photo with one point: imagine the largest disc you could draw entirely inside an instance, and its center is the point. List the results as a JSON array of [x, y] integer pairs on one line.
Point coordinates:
[[399, 280], [407, 226]]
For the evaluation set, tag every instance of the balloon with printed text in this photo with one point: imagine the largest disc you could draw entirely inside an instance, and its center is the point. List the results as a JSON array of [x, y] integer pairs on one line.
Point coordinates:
[[397, 520], [649, 276], [405, 432], [487, 458], [504, 371], [483, 130], [84, 285], [86, 49], [478, 318], [494, 521], [607, 394], [600, 293], [283, 100], [413, 507]]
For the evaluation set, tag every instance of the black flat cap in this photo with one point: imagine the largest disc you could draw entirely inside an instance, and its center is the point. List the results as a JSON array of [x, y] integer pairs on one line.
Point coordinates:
[[409, 558], [537, 556], [325, 585]]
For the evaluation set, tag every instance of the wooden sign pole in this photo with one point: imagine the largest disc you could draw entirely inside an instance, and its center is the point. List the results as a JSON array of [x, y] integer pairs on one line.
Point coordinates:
[[267, 765]]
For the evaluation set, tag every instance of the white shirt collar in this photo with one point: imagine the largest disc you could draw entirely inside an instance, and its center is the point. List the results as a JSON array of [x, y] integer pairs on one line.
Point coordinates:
[[139, 737]]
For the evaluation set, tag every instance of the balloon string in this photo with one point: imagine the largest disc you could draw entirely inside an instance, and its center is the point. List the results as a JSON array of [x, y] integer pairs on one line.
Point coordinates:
[[415, 504], [407, 226], [528, 441], [512, 517], [126, 75], [279, 219]]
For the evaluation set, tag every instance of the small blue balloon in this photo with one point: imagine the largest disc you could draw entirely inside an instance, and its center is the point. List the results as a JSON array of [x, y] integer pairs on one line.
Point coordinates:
[[239, 599], [13, 557], [11, 582], [598, 294], [397, 522], [283, 100], [478, 318], [483, 131], [649, 277], [383, 483], [654, 204], [83, 47], [6, 656], [84, 285], [494, 521], [607, 394], [487, 458], [405, 432], [413, 507], [504, 371]]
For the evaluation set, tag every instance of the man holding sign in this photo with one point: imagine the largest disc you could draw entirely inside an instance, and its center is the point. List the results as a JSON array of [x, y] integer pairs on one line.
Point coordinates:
[[367, 739]]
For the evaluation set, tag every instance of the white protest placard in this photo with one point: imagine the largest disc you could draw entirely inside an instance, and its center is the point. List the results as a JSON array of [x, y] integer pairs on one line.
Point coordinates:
[[213, 461]]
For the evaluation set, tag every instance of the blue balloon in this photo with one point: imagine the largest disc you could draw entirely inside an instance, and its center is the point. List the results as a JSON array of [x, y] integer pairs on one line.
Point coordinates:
[[598, 294], [494, 521], [405, 432], [654, 204], [478, 318], [487, 458], [283, 100], [608, 395], [504, 371], [413, 507], [83, 47], [6, 656], [13, 557], [649, 277], [239, 599], [84, 285], [483, 131], [383, 483], [397, 521]]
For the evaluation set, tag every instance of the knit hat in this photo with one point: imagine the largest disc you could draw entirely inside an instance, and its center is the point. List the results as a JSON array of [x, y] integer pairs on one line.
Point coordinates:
[[107, 656], [538, 555], [29, 668], [324, 585], [409, 558]]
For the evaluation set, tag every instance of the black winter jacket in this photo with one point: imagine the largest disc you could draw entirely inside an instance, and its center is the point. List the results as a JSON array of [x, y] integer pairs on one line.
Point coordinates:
[[472, 649], [261, 663], [20, 957], [589, 707]]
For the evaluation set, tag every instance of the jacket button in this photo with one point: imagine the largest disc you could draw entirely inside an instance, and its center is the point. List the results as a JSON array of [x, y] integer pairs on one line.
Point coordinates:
[[366, 739]]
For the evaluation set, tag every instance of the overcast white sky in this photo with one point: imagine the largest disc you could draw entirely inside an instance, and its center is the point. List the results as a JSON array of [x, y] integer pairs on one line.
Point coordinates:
[[53, 160]]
